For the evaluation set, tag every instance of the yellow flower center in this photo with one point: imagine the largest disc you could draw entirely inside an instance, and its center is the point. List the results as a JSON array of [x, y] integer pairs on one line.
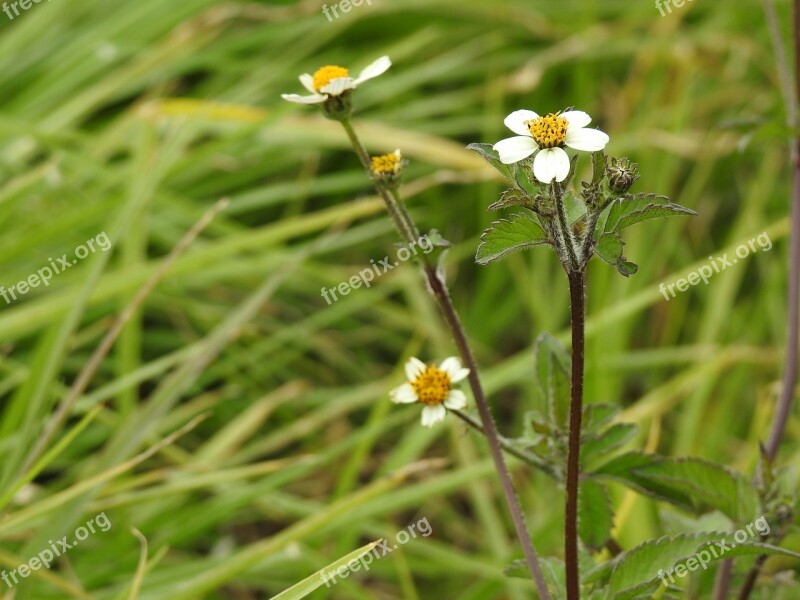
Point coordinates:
[[548, 131], [386, 164], [432, 386], [327, 74]]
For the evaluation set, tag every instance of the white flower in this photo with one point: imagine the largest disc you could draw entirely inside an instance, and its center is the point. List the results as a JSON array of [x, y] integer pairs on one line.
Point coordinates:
[[432, 386], [548, 135], [335, 81]]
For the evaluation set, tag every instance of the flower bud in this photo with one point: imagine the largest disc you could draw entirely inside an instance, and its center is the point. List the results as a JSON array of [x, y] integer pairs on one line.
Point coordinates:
[[387, 167], [622, 174]]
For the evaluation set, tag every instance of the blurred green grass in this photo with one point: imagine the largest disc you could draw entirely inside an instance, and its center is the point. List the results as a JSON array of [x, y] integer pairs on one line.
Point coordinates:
[[135, 117]]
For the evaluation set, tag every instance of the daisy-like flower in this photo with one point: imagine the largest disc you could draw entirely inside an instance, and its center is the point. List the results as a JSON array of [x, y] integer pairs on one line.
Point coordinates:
[[432, 386], [335, 81], [387, 167], [547, 136]]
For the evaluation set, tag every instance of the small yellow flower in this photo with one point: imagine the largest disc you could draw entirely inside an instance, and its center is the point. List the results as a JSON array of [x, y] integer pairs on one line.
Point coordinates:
[[387, 166], [432, 386], [332, 80]]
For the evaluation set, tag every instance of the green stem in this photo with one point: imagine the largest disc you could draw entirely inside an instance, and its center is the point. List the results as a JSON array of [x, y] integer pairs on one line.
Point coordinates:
[[442, 296]]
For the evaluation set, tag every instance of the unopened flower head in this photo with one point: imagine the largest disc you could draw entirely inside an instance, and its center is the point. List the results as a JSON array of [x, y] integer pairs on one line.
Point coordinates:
[[387, 167], [622, 174], [546, 136], [432, 386], [332, 81]]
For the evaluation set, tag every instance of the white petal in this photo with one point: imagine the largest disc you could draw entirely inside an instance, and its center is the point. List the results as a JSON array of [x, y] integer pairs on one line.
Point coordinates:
[[308, 82], [452, 366], [551, 163], [403, 394], [516, 121], [588, 140], [316, 99], [456, 400], [577, 118], [414, 368], [515, 149], [433, 414], [338, 86], [379, 67]]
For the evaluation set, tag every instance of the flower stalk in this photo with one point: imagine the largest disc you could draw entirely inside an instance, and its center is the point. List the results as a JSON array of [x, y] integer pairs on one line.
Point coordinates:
[[441, 294], [577, 294]]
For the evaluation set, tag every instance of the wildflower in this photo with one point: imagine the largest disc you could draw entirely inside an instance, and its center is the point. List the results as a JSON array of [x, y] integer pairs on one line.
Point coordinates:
[[332, 81], [387, 167], [433, 387], [547, 136]]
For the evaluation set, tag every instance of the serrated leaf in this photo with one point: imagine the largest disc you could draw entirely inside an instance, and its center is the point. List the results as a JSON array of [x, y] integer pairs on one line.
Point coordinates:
[[525, 179], [597, 415], [609, 247], [507, 236], [599, 444], [491, 156], [552, 366], [692, 483], [634, 208], [640, 571], [553, 571], [512, 197], [595, 515], [598, 167]]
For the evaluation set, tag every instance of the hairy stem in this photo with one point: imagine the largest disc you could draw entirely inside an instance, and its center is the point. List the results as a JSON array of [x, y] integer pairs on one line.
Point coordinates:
[[509, 446], [577, 285], [406, 228], [566, 232]]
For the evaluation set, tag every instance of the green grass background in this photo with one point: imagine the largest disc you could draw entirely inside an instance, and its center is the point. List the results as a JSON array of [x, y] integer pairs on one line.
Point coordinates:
[[135, 117]]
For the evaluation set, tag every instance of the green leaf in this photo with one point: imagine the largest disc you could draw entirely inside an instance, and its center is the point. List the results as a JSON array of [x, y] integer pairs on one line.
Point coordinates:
[[596, 416], [634, 208], [491, 156], [599, 444], [609, 248], [506, 236], [525, 179], [595, 515], [627, 268], [638, 572], [598, 168], [512, 197], [312, 582], [692, 483], [574, 207], [552, 366]]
